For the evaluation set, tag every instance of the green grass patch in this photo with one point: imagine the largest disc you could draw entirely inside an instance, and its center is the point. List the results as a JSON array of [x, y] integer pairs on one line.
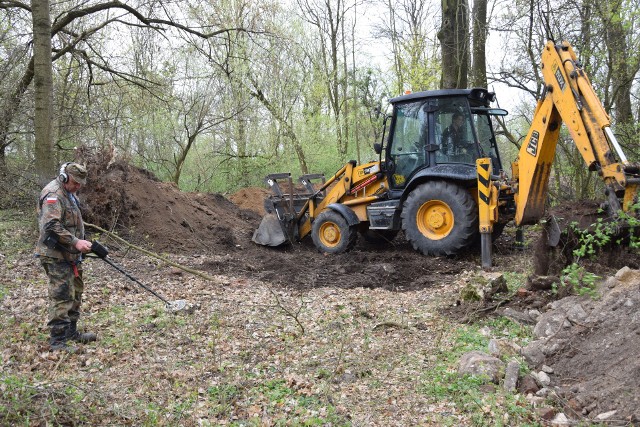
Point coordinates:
[[23, 402], [282, 403], [485, 404], [503, 327], [514, 280]]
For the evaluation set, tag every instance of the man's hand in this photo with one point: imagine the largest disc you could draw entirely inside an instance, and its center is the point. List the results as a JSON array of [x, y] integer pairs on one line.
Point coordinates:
[[83, 246]]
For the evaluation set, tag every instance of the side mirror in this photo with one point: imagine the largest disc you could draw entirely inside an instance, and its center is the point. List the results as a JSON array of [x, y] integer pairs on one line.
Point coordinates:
[[377, 147]]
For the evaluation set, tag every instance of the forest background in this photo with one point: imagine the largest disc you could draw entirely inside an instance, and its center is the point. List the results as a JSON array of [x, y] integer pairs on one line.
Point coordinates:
[[213, 95]]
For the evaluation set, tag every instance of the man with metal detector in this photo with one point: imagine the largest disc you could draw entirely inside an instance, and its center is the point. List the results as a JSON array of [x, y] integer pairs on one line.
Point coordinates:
[[60, 248]]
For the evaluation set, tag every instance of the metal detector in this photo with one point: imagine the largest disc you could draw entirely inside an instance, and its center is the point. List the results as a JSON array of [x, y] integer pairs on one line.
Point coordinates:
[[102, 252]]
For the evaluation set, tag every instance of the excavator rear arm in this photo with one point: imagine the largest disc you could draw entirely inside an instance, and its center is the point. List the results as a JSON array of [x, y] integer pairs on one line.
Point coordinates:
[[569, 97]]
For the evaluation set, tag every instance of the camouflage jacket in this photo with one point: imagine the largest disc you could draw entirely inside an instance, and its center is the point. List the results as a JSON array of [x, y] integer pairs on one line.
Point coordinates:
[[59, 212]]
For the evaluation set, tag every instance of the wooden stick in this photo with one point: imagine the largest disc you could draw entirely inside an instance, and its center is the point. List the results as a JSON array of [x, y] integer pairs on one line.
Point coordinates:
[[155, 255]]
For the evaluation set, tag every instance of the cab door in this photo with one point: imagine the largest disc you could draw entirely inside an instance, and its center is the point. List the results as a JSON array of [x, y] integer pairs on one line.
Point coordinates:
[[409, 138]]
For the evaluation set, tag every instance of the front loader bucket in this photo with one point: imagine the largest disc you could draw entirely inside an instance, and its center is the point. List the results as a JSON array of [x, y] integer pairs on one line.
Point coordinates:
[[270, 232], [286, 208]]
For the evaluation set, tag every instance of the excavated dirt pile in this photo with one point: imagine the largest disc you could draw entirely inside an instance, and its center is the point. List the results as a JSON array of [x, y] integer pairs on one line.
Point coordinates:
[[592, 347], [573, 218], [134, 203]]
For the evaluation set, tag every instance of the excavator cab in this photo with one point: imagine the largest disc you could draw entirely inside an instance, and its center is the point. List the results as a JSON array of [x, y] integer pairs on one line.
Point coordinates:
[[440, 133]]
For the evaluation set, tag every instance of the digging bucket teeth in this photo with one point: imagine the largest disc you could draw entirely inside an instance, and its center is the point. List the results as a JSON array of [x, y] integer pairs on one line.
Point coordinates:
[[284, 207]]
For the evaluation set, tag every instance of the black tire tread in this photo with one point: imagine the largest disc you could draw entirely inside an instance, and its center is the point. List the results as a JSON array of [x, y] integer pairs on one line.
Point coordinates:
[[462, 204], [350, 232]]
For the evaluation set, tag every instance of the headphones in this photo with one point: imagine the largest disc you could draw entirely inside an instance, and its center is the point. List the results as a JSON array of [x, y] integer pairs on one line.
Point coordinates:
[[63, 173]]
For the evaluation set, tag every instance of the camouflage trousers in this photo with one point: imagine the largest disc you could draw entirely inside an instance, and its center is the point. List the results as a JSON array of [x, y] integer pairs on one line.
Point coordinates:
[[65, 291]]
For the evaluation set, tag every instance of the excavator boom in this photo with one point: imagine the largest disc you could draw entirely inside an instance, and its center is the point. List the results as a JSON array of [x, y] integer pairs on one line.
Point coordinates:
[[569, 98]]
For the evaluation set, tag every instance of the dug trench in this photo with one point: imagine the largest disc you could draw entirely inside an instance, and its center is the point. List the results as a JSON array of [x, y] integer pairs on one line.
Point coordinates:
[[217, 230]]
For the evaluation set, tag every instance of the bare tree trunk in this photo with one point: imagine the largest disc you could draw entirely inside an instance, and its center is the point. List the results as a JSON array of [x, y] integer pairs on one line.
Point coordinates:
[[454, 40], [479, 67], [397, 62], [619, 58], [182, 156], [345, 85], [43, 82], [354, 94], [327, 17], [623, 64]]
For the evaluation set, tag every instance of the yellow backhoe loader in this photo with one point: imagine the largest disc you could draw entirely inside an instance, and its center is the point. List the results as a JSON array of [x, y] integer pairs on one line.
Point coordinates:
[[441, 179]]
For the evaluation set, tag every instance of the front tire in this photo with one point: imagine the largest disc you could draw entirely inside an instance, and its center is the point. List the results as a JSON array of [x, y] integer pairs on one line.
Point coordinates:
[[332, 234], [440, 218]]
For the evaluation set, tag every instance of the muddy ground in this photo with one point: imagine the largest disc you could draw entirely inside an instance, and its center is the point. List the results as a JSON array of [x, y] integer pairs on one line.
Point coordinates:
[[218, 229]]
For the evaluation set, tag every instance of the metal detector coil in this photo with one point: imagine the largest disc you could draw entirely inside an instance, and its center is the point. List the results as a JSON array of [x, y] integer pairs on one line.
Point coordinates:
[[101, 252]]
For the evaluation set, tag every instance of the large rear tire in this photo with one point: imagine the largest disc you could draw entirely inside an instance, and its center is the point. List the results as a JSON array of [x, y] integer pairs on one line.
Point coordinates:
[[440, 218], [332, 234]]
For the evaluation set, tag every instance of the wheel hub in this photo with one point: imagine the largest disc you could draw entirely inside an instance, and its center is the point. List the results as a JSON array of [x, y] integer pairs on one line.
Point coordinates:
[[435, 219], [330, 234]]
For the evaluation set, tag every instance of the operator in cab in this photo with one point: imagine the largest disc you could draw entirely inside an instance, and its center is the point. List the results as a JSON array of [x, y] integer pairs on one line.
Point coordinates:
[[453, 137]]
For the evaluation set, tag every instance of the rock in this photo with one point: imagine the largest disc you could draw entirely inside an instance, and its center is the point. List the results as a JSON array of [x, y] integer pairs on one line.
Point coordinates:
[[533, 354], [547, 369], [535, 401], [511, 376], [534, 315], [576, 314], [483, 287], [497, 283], [528, 385], [605, 415], [543, 379], [543, 392], [554, 346], [545, 413], [499, 348], [550, 323], [388, 268], [560, 420], [627, 275], [482, 365], [518, 316], [471, 293], [611, 282]]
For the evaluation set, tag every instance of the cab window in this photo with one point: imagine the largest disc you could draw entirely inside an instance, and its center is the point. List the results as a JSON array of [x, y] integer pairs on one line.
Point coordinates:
[[410, 135]]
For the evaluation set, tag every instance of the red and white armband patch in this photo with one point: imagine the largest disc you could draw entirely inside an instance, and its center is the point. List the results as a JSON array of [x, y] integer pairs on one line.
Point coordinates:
[[51, 200]]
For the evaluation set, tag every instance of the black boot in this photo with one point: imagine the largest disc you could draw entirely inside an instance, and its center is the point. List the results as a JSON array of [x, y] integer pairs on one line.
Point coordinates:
[[58, 340], [83, 338]]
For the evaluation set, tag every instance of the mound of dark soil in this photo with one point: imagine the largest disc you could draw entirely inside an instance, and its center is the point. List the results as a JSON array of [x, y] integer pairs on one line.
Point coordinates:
[[136, 204], [592, 346], [251, 198], [581, 223]]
